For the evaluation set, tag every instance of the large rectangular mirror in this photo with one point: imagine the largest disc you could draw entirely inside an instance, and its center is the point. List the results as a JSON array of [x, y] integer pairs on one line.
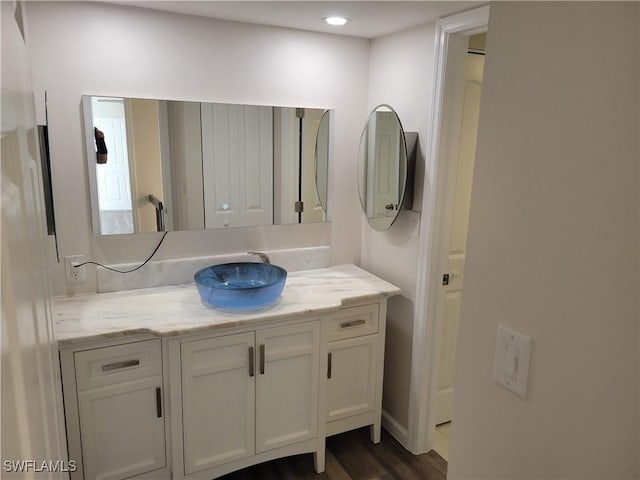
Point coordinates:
[[158, 165]]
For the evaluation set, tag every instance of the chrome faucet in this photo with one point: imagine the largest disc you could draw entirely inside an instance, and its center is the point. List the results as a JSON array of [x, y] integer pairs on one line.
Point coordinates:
[[263, 256]]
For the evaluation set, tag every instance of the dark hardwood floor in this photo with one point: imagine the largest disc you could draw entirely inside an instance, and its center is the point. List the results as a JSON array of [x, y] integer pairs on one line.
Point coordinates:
[[351, 456]]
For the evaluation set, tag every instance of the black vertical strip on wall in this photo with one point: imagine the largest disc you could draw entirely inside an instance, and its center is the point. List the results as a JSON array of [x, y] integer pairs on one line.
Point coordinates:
[[300, 165], [45, 162]]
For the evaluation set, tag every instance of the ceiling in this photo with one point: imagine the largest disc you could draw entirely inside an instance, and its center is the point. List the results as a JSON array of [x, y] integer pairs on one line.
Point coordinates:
[[368, 19]]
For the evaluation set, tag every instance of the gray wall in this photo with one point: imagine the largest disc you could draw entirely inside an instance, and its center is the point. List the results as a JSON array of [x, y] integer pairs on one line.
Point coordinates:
[[553, 247]]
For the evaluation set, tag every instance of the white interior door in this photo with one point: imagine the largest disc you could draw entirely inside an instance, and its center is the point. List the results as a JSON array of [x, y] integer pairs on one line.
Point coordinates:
[[462, 158], [237, 156], [387, 150], [383, 138], [113, 178], [114, 187]]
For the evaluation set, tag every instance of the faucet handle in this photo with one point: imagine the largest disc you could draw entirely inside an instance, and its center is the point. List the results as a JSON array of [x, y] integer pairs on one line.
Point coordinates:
[[263, 256]]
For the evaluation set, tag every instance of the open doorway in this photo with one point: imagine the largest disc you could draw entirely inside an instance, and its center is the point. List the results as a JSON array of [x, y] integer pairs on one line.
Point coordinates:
[[431, 332], [460, 121]]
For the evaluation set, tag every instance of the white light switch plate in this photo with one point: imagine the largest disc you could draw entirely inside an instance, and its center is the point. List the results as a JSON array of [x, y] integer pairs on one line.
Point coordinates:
[[511, 363]]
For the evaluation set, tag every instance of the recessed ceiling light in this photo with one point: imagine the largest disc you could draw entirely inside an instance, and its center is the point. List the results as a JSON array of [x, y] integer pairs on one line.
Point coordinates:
[[336, 21]]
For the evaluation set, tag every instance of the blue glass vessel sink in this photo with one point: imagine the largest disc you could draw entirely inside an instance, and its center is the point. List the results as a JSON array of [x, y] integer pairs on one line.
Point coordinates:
[[240, 286]]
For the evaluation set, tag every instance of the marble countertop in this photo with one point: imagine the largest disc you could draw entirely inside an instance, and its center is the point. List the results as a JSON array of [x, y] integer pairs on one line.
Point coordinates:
[[177, 310]]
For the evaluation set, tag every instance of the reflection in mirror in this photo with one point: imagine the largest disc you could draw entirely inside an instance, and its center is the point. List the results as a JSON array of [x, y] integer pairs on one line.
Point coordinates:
[[382, 167], [322, 160], [163, 164]]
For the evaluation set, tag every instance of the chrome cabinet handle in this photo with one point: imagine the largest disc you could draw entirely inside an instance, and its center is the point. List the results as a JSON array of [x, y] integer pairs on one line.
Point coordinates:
[[261, 359], [329, 364], [118, 365], [251, 362], [353, 323]]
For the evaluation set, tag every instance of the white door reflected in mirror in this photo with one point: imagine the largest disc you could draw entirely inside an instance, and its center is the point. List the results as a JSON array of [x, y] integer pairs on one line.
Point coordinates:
[[113, 178], [382, 168]]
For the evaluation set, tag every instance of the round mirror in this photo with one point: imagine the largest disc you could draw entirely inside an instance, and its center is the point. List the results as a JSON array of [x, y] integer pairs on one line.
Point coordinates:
[[382, 167], [322, 159]]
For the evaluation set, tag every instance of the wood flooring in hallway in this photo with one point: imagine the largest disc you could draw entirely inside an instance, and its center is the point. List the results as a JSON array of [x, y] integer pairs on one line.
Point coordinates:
[[351, 456]]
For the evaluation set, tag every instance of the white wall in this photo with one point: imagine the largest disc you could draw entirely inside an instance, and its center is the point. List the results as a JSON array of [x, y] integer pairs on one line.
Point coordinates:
[[91, 48], [553, 247], [401, 75], [32, 416]]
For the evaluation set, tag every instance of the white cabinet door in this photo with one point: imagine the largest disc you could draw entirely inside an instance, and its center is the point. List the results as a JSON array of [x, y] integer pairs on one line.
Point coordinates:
[[218, 400], [351, 382], [287, 391], [122, 429]]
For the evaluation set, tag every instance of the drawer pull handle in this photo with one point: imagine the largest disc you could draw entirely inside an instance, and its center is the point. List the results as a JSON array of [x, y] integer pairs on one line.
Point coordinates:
[[353, 323], [159, 402], [251, 362], [261, 359], [329, 364], [118, 365]]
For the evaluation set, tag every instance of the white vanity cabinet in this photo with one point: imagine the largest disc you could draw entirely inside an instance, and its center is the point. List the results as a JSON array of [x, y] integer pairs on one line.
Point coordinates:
[[119, 411], [245, 395], [158, 386], [354, 369]]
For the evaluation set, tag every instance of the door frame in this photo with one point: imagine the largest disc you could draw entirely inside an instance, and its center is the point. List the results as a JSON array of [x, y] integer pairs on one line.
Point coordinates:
[[429, 302], [91, 169], [131, 158]]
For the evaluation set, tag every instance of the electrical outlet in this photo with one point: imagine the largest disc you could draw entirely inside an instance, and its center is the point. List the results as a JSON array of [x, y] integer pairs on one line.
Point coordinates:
[[74, 274]]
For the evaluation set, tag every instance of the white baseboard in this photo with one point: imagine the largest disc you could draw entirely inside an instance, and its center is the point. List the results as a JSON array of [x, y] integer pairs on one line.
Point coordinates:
[[396, 430]]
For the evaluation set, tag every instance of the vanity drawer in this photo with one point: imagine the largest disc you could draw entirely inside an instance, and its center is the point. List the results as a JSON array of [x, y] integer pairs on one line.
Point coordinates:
[[354, 322], [121, 363]]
